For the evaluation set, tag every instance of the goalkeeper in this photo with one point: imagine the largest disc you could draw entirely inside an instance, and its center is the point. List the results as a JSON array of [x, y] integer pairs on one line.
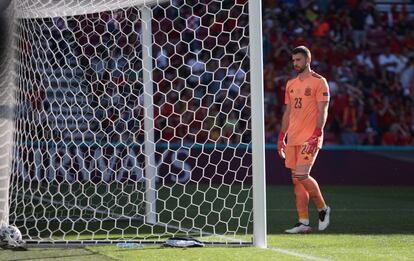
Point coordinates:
[[307, 101]]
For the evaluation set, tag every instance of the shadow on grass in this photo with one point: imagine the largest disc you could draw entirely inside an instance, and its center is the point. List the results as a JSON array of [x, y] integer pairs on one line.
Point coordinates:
[[53, 254]]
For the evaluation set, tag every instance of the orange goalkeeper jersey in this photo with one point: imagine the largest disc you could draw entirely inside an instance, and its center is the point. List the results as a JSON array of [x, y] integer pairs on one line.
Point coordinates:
[[303, 97]]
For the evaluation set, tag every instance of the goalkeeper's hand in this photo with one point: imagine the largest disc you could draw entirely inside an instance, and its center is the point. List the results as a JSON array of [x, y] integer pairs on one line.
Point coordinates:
[[281, 145], [311, 144]]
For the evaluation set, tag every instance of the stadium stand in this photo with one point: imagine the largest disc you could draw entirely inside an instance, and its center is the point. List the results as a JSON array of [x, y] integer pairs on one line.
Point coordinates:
[[365, 49]]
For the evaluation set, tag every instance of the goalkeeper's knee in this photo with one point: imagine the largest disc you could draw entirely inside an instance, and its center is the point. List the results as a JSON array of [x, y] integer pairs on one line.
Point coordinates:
[[301, 176], [302, 172]]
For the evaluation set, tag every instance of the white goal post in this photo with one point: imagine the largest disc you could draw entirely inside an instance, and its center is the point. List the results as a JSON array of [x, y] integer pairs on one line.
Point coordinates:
[[136, 121]]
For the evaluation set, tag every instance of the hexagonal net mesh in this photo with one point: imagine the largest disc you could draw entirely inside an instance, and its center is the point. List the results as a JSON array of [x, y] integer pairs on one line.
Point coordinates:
[[133, 123]]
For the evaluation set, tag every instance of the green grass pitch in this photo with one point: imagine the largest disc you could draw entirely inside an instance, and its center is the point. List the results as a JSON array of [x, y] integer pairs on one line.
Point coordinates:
[[368, 223]]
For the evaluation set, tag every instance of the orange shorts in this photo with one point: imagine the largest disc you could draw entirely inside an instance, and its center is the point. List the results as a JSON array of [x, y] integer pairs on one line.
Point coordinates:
[[295, 156]]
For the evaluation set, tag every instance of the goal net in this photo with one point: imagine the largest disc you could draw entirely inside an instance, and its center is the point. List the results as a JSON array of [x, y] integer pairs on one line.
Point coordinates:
[[133, 122]]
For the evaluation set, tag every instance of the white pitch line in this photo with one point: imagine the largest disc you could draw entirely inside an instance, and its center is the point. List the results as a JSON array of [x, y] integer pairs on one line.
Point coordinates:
[[291, 253]]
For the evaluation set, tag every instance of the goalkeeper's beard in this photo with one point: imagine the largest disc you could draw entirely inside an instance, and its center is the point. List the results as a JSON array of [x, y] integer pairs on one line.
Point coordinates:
[[300, 69]]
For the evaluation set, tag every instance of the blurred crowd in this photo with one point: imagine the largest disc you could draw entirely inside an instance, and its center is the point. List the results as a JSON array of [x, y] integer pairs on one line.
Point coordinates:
[[367, 57], [201, 64], [199, 76]]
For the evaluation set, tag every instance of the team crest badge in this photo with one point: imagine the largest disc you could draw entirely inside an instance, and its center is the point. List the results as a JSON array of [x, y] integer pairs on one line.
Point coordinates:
[[308, 91]]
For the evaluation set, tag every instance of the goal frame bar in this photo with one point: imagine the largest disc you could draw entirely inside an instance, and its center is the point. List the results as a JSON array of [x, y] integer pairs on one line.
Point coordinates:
[[257, 126], [258, 143]]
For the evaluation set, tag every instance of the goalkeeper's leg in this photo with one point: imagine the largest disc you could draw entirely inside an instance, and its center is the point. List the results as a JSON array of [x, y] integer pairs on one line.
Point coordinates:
[[312, 187], [302, 202], [301, 195]]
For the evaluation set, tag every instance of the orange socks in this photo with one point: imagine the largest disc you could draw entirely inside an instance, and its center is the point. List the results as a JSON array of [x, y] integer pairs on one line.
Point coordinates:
[[312, 188], [302, 200]]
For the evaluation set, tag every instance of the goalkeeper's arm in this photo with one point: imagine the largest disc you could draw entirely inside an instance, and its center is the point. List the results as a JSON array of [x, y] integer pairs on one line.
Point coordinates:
[[281, 145], [313, 141]]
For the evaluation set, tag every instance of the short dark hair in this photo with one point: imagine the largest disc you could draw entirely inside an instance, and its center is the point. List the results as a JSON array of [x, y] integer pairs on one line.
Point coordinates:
[[303, 50]]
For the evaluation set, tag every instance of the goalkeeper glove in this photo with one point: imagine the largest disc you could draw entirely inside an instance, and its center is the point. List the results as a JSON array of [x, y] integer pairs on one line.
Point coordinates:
[[311, 144], [281, 145]]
